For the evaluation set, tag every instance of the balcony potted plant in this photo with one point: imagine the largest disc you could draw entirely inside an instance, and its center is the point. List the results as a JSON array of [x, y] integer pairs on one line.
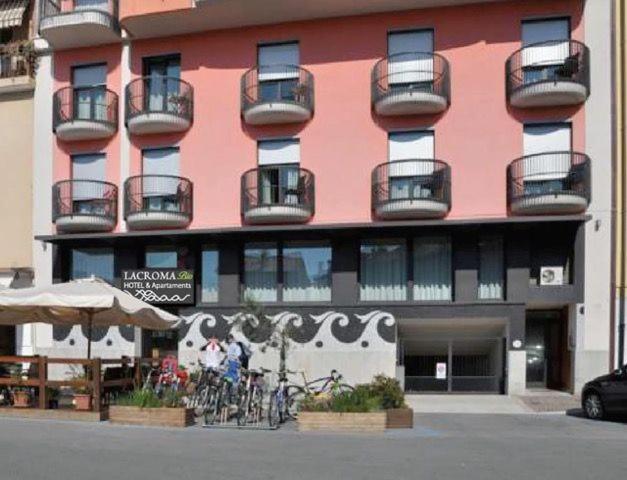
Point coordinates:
[[179, 104], [82, 393], [300, 93]]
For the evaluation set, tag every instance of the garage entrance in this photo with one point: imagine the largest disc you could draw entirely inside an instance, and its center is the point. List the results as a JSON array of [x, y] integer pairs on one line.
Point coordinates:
[[450, 359]]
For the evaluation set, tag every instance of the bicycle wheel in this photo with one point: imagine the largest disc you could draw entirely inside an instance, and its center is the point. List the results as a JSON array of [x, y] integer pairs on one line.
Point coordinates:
[[212, 408], [242, 409], [293, 397], [200, 399], [274, 414]]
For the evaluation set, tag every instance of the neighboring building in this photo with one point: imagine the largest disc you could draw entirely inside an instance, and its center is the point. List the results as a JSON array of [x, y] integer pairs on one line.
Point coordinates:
[[17, 84], [411, 187]]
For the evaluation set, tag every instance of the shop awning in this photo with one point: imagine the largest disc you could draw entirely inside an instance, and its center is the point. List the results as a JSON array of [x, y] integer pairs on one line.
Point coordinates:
[[12, 12]]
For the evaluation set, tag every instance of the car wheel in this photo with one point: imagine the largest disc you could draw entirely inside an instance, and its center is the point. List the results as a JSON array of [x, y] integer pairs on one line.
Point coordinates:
[[593, 406]]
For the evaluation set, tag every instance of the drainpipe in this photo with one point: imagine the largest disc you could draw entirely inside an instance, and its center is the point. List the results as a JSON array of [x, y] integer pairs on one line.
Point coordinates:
[[623, 163]]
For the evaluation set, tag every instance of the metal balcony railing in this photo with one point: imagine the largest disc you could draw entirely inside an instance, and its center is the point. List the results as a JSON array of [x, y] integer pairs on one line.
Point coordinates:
[[84, 198], [94, 104], [158, 194], [159, 94], [277, 83]]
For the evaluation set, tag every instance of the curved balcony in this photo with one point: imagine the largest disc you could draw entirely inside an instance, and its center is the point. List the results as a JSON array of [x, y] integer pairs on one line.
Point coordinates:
[[549, 74], [85, 113], [277, 94], [84, 206], [277, 194], [68, 24], [411, 189], [159, 105], [158, 201], [413, 83], [549, 183]]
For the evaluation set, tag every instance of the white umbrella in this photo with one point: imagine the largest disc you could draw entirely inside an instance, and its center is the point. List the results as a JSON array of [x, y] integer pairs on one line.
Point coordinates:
[[91, 302]]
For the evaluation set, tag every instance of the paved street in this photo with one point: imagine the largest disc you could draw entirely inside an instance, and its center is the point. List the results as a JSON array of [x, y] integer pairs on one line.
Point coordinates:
[[441, 446]]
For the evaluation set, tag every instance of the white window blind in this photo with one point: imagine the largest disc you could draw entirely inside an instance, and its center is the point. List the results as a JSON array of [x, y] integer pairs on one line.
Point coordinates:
[[278, 152], [409, 57], [545, 31], [91, 5], [278, 62], [554, 140], [411, 145], [88, 167], [433, 268], [89, 76], [160, 161]]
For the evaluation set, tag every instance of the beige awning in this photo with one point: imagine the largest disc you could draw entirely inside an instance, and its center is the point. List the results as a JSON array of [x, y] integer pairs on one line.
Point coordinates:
[[12, 12]]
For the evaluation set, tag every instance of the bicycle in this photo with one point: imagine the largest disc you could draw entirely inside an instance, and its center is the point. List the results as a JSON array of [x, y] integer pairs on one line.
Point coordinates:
[[205, 393], [331, 385], [250, 403]]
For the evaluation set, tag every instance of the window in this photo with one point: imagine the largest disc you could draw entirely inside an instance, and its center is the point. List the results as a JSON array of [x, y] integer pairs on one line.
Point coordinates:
[[90, 88], [410, 60], [279, 175], [278, 71], [549, 172], [260, 272], [209, 275], [160, 167], [432, 268], [547, 48], [491, 267], [411, 180], [87, 196], [92, 261], [306, 272], [163, 85], [161, 257], [383, 271]]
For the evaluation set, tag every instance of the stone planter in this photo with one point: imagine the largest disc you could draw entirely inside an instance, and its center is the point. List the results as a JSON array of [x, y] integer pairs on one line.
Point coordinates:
[[21, 399], [156, 417], [343, 422], [399, 418], [82, 401]]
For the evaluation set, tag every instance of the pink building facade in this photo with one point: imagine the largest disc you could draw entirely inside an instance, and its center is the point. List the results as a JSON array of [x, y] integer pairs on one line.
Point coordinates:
[[407, 187]]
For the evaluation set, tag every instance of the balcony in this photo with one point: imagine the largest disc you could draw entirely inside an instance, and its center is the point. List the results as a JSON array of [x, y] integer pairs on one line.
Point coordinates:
[[549, 183], [159, 105], [16, 68], [549, 74], [85, 113], [277, 94], [84, 206], [70, 24], [411, 189], [157, 201], [277, 194], [415, 83]]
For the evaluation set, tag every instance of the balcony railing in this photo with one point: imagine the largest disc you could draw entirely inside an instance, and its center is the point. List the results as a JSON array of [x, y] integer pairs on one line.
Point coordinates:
[[158, 194], [52, 8], [17, 60], [84, 198], [549, 64], [157, 94], [399, 75], [552, 182], [277, 84], [413, 188], [287, 188], [93, 104]]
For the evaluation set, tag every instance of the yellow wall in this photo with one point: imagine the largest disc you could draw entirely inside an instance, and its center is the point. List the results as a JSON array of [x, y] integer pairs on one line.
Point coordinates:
[[16, 169]]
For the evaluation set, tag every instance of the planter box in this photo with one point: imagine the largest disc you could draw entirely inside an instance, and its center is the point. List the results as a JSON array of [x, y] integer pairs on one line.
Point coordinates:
[[400, 418], [157, 417], [82, 401], [343, 422]]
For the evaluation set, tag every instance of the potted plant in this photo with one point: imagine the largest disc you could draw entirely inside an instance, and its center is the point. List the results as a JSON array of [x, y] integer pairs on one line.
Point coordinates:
[[82, 393], [389, 390], [21, 393], [143, 406]]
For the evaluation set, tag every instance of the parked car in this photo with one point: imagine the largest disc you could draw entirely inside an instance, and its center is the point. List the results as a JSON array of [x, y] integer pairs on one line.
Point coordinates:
[[605, 395]]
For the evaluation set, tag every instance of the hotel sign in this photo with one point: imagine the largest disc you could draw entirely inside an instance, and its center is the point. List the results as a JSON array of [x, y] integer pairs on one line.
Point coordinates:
[[160, 286]]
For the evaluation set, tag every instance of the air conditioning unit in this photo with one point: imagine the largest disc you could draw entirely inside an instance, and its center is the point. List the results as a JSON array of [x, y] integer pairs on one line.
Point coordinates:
[[550, 276]]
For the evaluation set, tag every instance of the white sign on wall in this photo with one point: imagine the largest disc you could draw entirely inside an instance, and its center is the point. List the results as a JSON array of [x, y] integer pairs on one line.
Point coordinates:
[[440, 371]]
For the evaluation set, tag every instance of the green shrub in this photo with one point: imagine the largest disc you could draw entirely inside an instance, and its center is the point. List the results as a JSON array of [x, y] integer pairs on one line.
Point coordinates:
[[360, 400], [389, 391], [142, 398]]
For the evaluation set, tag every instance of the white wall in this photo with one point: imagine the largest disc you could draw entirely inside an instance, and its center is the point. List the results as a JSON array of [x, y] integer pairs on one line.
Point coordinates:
[[593, 328]]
